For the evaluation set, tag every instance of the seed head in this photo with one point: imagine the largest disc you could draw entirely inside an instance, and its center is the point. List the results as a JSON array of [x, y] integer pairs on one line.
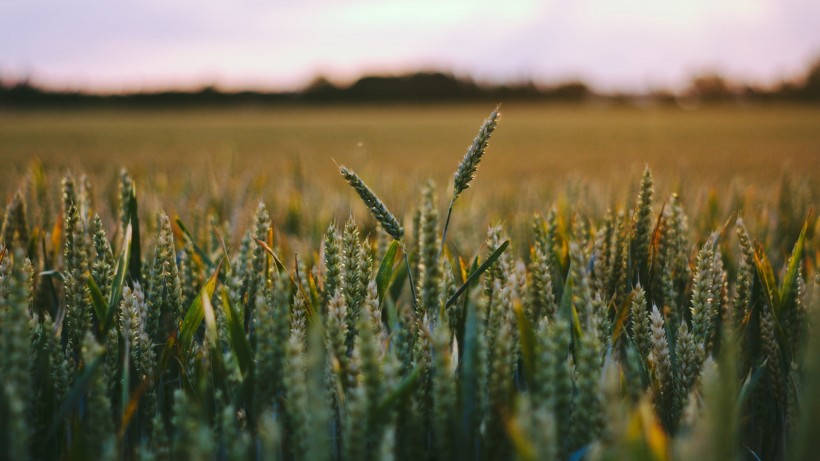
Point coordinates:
[[376, 206], [469, 164]]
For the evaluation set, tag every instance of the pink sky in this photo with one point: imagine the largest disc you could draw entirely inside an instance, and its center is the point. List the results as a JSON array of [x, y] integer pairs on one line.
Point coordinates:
[[114, 45]]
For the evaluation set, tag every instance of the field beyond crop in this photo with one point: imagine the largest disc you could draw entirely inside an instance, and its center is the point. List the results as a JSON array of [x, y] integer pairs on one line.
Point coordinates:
[[538, 144], [615, 283]]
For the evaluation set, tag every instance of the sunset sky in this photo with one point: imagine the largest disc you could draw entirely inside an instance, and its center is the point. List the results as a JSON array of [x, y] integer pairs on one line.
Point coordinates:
[[114, 45]]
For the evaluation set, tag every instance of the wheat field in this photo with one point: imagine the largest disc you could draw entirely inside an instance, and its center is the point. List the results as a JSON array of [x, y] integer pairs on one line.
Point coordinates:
[[357, 283]]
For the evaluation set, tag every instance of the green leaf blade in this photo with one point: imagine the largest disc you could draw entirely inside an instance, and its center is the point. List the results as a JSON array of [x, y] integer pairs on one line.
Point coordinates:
[[477, 273], [196, 312], [385, 272]]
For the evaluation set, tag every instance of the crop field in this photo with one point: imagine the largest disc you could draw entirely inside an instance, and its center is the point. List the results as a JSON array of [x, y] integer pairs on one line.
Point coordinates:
[[542, 154], [410, 283], [540, 145]]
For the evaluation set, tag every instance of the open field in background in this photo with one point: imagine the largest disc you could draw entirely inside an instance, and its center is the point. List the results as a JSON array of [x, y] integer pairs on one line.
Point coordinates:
[[590, 154], [538, 144]]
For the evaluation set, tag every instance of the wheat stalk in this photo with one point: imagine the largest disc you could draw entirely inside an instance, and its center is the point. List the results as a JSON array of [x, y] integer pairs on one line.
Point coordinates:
[[468, 166]]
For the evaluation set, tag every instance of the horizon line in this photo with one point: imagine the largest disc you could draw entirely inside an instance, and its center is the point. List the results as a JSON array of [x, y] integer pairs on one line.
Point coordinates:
[[199, 84]]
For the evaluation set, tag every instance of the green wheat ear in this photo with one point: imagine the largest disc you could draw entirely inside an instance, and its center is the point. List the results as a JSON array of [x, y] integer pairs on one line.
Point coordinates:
[[383, 216], [376, 206], [466, 170]]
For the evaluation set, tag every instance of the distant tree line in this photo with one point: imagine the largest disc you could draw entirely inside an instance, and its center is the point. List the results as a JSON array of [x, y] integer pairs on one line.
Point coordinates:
[[713, 87], [422, 87], [436, 86]]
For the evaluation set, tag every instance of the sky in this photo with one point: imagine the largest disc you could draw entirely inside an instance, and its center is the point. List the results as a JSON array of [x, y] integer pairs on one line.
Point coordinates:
[[131, 45]]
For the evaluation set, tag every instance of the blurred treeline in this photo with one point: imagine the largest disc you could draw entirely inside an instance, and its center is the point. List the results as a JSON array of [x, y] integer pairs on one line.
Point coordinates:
[[421, 87]]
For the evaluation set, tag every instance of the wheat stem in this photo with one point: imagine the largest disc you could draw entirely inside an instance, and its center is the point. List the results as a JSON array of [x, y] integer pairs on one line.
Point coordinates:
[[446, 226]]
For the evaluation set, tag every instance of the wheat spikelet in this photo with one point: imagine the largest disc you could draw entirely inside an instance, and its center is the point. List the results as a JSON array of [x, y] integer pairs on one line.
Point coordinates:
[[542, 296], [429, 277], [588, 413], [15, 356], [193, 437], [354, 280], [98, 425], [255, 276], [641, 332], [296, 405], [133, 324], [661, 366], [702, 300], [466, 170], [164, 294], [15, 225], [689, 358], [745, 274], [102, 269], [332, 260], [77, 310], [374, 204], [126, 190], [642, 225]]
